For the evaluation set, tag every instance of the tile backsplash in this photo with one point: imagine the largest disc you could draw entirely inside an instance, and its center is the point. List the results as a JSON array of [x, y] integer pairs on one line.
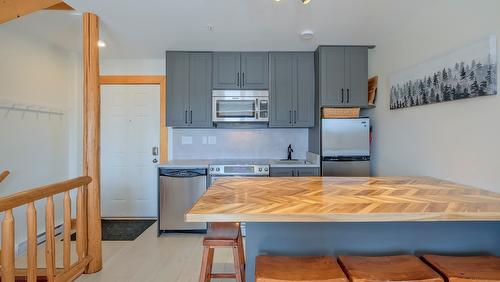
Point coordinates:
[[237, 143]]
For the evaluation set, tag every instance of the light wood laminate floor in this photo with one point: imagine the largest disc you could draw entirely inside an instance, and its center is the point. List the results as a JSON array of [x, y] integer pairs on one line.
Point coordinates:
[[169, 258]]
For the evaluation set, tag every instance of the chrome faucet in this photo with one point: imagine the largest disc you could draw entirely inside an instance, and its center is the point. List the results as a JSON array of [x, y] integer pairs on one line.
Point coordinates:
[[290, 151]]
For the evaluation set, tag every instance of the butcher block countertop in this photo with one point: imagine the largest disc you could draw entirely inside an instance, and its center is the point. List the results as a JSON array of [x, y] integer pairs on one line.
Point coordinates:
[[335, 199]]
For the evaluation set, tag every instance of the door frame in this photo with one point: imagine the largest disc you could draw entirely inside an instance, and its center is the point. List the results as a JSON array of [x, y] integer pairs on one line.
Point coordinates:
[[146, 80]]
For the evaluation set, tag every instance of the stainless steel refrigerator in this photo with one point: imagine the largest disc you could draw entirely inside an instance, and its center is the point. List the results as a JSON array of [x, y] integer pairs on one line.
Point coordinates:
[[345, 147]]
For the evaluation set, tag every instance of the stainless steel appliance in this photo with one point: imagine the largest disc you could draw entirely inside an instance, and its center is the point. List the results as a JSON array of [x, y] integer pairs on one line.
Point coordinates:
[[179, 190], [240, 106], [238, 168], [345, 147]]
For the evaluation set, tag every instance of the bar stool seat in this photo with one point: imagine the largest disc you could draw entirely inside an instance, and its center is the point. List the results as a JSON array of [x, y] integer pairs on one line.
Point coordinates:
[[226, 234], [223, 231], [466, 269], [303, 269], [387, 269]]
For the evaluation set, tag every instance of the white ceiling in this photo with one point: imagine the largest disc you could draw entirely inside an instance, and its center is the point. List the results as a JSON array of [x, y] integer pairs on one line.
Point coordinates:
[[146, 28]]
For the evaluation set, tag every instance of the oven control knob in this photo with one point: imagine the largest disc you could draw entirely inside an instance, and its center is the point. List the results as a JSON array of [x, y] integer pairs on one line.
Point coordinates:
[[211, 169], [260, 169], [217, 169], [266, 169]]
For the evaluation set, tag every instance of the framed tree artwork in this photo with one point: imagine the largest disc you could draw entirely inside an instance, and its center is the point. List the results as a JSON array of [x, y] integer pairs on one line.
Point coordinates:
[[464, 73]]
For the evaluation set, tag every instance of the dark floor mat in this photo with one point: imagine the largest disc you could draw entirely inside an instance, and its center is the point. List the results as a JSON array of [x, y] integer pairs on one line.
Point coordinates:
[[122, 229]]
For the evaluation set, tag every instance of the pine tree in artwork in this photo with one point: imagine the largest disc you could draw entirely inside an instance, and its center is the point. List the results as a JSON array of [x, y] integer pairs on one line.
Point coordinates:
[[474, 88], [463, 74], [447, 93], [445, 75], [435, 80], [472, 76]]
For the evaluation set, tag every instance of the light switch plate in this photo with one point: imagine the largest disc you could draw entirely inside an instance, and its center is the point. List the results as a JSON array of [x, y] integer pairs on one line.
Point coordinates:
[[212, 140], [187, 140], [204, 140]]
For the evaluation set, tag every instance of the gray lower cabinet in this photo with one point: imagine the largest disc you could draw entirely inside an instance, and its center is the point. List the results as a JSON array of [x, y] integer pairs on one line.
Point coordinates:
[[240, 70], [343, 76], [292, 89], [189, 89], [294, 171]]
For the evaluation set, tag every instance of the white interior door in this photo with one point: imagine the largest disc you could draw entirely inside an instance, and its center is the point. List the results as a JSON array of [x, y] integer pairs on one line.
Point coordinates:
[[130, 128]]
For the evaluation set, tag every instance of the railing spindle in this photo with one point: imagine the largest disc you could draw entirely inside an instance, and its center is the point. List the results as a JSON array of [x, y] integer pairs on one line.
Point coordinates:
[[8, 264], [67, 232], [50, 261], [32, 242], [81, 223]]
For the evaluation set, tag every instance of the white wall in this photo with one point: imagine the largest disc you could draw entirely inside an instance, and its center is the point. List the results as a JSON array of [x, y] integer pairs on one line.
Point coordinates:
[[36, 148], [457, 140]]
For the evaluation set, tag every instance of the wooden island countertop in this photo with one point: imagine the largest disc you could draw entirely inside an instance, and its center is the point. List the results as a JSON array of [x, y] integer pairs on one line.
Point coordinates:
[[336, 199]]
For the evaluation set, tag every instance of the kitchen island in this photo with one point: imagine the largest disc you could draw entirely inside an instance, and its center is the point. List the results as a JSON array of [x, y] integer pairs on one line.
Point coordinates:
[[365, 216]]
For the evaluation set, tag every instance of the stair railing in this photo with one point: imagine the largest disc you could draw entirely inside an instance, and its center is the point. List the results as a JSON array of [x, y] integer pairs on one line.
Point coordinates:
[[70, 271]]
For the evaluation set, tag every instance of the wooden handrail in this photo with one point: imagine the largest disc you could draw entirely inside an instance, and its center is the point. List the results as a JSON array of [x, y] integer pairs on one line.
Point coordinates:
[[70, 271], [4, 175], [28, 196]]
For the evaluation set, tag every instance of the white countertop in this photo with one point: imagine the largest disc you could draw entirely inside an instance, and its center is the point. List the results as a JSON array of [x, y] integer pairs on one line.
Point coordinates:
[[312, 161]]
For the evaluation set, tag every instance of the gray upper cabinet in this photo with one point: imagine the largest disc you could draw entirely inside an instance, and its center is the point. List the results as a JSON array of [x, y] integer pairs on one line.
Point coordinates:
[[255, 70], [177, 88], [226, 70], [304, 98], [235, 70], [189, 86], [292, 89], [343, 76], [200, 89]]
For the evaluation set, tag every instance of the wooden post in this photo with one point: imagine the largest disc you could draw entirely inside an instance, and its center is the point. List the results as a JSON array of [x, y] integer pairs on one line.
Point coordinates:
[[8, 263], [91, 136], [32, 242]]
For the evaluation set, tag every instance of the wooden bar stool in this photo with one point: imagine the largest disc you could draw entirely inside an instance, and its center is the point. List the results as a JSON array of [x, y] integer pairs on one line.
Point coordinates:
[[227, 234], [466, 269], [303, 269], [388, 269]]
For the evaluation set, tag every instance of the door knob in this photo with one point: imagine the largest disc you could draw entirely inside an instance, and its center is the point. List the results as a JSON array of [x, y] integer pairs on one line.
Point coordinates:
[[155, 161]]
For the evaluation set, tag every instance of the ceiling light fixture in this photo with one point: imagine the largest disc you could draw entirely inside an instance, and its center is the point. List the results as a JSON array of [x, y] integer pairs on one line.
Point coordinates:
[[305, 2], [101, 44]]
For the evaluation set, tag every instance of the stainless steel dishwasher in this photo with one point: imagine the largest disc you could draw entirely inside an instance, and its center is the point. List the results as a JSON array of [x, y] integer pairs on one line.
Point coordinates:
[[179, 190]]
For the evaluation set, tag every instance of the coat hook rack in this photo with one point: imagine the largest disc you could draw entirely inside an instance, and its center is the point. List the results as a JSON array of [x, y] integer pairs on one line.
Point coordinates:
[[25, 107]]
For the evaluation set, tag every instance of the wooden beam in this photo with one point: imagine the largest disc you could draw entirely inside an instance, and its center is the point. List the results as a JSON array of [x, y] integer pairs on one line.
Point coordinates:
[[91, 137], [12, 9], [151, 80], [61, 6]]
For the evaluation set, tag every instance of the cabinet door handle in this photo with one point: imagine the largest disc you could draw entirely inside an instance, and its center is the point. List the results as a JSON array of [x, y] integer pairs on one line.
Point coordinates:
[[295, 116], [290, 117], [243, 80], [238, 80], [293, 173], [191, 117], [298, 172], [348, 96], [186, 116], [342, 101]]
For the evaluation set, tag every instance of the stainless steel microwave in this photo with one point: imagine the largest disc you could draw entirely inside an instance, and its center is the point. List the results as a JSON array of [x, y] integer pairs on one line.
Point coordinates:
[[240, 106]]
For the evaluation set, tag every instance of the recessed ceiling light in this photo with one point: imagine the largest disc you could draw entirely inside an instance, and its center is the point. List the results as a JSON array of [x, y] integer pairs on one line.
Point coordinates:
[[305, 2], [101, 44]]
